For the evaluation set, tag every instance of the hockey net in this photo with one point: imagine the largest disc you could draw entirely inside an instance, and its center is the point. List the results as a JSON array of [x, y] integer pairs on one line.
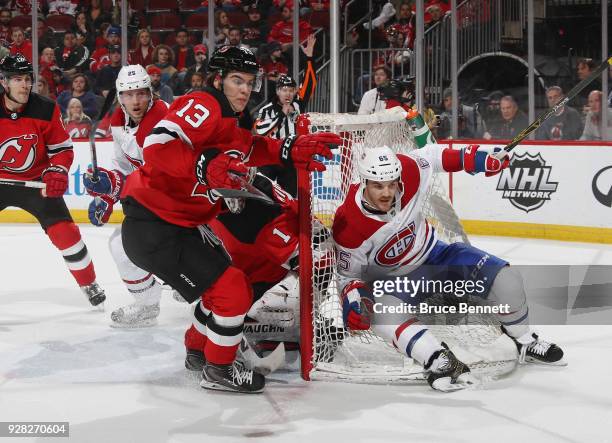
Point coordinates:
[[329, 351]]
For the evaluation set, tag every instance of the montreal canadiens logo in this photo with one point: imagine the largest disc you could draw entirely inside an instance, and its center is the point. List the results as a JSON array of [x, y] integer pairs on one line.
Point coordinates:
[[18, 154], [396, 248]]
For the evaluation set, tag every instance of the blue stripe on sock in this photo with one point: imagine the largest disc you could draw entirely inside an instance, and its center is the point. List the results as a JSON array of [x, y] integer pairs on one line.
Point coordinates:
[[413, 341], [510, 323]]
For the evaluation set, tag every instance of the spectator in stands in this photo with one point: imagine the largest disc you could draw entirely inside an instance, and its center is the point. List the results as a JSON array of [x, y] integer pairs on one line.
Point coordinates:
[[78, 125], [371, 102], [60, 83], [96, 14], [262, 5], [101, 40], [436, 14], [68, 7], [46, 37], [80, 90], [406, 22], [234, 37], [105, 79], [273, 62], [512, 121], [83, 27], [222, 25], [71, 57], [255, 32], [43, 88], [565, 124], [584, 67], [5, 29], [164, 92], [199, 66], [183, 53], [45, 63], [163, 58], [20, 44], [101, 56], [143, 53], [196, 82], [592, 126], [282, 31], [468, 120]]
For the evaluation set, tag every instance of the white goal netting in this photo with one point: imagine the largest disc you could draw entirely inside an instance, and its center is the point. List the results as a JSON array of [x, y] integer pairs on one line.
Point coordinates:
[[365, 357]]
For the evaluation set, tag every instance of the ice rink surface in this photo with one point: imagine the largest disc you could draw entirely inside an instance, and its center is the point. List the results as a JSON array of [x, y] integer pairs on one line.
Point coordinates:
[[60, 361]]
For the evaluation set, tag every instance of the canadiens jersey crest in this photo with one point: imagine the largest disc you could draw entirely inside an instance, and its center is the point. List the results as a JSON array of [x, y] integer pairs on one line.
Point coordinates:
[[394, 250]]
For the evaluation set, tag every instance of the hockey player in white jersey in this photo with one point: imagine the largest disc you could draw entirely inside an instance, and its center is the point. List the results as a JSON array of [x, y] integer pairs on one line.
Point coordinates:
[[380, 233], [138, 113]]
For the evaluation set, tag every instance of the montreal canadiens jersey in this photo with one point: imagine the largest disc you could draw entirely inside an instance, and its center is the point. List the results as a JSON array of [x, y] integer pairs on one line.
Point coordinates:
[[33, 139], [128, 140], [375, 245], [166, 184]]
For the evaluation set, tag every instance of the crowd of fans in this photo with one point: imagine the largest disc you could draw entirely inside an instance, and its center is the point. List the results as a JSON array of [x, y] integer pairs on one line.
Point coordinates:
[[496, 115], [82, 62]]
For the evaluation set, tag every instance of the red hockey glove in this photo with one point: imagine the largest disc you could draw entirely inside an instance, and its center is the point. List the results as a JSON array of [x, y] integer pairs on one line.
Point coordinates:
[[109, 183], [56, 179], [475, 161], [214, 169], [352, 316], [299, 151]]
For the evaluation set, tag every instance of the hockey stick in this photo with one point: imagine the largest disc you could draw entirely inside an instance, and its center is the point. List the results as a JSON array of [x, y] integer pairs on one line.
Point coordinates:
[[546, 115], [249, 191], [22, 183], [110, 97]]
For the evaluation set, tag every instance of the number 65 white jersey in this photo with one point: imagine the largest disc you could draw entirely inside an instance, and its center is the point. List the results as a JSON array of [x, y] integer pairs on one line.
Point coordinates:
[[372, 244]]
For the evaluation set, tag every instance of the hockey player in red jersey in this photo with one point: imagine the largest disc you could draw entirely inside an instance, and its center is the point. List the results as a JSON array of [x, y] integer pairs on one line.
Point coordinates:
[[263, 242], [380, 232], [202, 144], [35, 146], [132, 121]]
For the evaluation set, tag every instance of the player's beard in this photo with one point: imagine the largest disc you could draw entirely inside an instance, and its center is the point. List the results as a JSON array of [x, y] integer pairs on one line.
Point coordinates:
[[20, 98]]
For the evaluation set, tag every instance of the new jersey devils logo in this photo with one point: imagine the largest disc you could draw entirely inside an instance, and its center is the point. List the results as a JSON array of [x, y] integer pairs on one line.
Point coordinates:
[[396, 248], [18, 154]]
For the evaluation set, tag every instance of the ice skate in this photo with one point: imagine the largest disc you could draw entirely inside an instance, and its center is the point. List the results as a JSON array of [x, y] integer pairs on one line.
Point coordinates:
[[532, 349], [446, 373], [94, 293], [194, 360], [234, 377], [135, 315]]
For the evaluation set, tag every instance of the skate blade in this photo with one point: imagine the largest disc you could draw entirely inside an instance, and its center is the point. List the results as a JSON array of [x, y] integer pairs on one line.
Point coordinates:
[[535, 361], [135, 325], [211, 385], [98, 308], [464, 381]]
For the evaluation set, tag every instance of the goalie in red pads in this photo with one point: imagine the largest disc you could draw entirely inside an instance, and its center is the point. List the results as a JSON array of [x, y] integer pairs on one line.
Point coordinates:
[[381, 233], [201, 145], [35, 146]]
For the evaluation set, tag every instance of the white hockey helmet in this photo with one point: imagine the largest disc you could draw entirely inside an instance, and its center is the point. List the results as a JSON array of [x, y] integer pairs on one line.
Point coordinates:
[[130, 78], [379, 164]]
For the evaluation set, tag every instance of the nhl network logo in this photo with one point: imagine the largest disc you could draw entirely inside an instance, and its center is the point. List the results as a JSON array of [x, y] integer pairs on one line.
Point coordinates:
[[526, 182]]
